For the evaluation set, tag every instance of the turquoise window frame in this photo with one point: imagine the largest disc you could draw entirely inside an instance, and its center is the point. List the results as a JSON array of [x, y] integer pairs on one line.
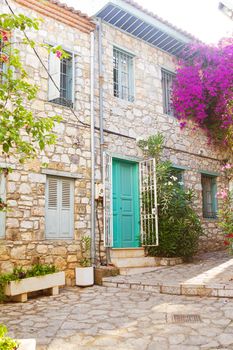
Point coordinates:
[[211, 212]]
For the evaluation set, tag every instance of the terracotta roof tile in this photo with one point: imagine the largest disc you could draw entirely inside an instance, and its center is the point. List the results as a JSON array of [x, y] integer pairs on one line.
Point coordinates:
[[69, 8], [61, 12]]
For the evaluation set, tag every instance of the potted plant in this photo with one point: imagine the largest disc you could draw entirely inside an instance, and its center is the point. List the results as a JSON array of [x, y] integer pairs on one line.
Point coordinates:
[[22, 281], [84, 274]]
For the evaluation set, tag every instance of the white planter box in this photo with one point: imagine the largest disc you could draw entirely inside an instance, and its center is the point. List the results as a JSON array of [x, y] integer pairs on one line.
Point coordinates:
[[27, 344], [84, 276], [19, 289]]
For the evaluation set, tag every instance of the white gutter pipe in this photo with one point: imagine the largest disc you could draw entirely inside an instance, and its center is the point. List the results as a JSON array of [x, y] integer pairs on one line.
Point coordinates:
[[92, 77], [101, 97]]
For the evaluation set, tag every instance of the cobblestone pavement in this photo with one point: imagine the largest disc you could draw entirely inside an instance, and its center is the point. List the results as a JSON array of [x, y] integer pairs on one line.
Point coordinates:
[[185, 272], [210, 274], [112, 318]]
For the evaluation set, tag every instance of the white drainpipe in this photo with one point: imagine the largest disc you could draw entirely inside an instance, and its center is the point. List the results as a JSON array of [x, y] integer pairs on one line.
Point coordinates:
[[92, 148]]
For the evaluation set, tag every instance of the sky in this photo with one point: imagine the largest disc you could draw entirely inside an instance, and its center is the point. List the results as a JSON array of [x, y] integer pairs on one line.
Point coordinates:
[[201, 18]]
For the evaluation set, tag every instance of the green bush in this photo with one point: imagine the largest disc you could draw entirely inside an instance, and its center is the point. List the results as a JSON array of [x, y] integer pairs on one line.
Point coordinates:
[[6, 343], [179, 225]]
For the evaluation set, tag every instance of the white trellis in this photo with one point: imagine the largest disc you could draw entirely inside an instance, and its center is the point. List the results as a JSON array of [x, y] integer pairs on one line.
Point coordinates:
[[148, 203]]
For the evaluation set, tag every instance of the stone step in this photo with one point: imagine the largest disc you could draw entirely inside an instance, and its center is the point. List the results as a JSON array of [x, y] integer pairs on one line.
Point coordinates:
[[128, 271], [127, 253], [135, 262]]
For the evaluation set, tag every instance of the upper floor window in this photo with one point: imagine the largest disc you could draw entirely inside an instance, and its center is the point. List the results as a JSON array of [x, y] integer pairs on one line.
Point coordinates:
[[167, 80], [209, 192], [62, 72], [123, 75]]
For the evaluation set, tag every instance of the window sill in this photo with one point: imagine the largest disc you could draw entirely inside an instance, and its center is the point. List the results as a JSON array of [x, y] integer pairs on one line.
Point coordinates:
[[60, 106], [210, 219], [61, 173], [59, 239], [126, 102]]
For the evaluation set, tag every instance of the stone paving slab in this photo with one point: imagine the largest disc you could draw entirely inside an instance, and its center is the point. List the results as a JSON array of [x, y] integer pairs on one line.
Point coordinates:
[[210, 274], [100, 318]]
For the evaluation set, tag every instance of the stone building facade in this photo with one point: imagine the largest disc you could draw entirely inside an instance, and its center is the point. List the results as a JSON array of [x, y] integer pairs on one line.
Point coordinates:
[[23, 237], [125, 120]]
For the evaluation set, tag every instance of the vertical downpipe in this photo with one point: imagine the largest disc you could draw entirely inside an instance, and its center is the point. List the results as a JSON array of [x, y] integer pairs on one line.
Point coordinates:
[[92, 70], [101, 115], [101, 79]]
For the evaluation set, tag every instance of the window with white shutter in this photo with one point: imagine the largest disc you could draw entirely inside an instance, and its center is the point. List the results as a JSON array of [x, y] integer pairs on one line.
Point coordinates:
[[61, 86], [3, 198], [59, 218]]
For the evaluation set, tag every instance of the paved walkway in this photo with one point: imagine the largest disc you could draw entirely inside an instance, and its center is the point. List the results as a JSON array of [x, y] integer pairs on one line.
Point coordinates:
[[210, 274], [100, 318]]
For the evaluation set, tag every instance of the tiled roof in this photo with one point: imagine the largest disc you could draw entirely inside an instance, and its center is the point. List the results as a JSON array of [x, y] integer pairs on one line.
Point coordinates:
[[60, 12], [69, 8]]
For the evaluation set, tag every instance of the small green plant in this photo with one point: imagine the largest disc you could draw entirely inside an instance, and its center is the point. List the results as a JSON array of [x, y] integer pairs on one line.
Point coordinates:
[[85, 245], [20, 273], [7, 343]]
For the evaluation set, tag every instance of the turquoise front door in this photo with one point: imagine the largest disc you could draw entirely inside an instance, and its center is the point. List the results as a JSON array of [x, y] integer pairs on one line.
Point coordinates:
[[126, 226]]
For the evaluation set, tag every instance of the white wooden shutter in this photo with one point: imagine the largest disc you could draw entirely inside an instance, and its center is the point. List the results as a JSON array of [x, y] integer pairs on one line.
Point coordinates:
[[108, 215], [66, 208], [52, 208], [55, 72], [59, 208], [148, 203], [3, 196]]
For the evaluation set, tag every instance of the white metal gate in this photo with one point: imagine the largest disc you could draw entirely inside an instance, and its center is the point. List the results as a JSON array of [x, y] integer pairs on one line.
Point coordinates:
[[148, 203], [108, 214]]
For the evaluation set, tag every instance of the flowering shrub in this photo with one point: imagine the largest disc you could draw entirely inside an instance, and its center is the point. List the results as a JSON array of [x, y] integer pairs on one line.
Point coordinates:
[[179, 225], [203, 90], [226, 213]]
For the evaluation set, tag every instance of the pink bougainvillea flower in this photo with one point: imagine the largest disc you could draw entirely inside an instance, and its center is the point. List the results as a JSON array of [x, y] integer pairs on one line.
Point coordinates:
[[58, 54], [203, 88], [226, 243], [182, 125], [222, 194], [228, 166], [229, 235]]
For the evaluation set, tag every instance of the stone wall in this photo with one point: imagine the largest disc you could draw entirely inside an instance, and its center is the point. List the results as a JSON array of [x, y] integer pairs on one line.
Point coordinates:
[[144, 117], [24, 239]]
